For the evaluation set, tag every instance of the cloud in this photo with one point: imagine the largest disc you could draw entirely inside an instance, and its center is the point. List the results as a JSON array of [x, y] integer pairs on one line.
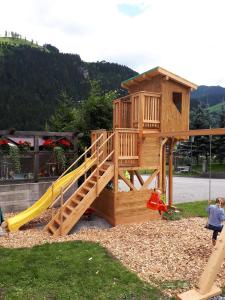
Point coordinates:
[[186, 37]]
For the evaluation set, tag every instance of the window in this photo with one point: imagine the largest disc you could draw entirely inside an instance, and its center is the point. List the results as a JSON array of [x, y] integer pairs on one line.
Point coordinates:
[[177, 100]]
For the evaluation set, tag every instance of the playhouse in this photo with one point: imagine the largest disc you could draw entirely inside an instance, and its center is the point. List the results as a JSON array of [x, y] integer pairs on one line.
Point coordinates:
[[158, 102]]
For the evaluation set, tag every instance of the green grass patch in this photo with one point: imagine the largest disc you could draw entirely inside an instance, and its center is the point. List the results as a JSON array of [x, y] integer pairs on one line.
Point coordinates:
[[72, 270], [216, 108], [19, 42], [193, 209]]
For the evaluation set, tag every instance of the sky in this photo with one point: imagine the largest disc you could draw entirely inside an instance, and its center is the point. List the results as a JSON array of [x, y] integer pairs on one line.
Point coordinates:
[[185, 37]]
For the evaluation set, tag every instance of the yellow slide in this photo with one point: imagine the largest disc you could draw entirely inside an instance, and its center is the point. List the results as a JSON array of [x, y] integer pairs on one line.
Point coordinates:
[[48, 198]]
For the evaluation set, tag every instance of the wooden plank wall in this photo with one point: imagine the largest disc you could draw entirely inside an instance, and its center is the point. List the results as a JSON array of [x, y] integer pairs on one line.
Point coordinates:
[[131, 207], [104, 205], [149, 85], [150, 152], [171, 118]]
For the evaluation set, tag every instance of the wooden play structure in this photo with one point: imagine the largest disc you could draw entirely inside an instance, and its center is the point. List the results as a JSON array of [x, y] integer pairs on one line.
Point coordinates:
[[158, 102]]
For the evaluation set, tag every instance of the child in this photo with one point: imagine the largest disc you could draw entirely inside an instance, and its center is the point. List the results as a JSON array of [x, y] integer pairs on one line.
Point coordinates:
[[215, 218]]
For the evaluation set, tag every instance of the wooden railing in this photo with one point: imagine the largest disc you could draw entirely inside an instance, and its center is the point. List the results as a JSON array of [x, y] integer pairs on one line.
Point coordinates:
[[128, 147], [151, 113], [127, 152], [122, 112], [140, 110]]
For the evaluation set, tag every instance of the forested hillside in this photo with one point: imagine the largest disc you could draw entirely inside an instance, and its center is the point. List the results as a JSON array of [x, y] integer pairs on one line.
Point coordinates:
[[32, 77], [208, 95]]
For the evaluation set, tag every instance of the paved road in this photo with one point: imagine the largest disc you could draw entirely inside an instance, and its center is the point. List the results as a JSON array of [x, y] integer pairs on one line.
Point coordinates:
[[188, 189]]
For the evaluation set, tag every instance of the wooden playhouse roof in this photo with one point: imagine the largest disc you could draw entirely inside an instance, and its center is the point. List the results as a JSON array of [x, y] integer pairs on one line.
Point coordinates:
[[154, 72]]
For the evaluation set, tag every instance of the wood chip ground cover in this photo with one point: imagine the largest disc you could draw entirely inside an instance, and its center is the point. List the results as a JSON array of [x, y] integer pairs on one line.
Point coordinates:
[[158, 251]]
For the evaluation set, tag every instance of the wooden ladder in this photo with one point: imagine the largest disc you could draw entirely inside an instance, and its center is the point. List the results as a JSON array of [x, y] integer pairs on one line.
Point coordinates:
[[73, 209]]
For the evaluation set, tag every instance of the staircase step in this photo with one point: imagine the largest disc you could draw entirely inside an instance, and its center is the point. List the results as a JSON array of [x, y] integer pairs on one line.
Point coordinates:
[[56, 222], [81, 194], [65, 215], [91, 182], [86, 188], [51, 229], [75, 201], [71, 208]]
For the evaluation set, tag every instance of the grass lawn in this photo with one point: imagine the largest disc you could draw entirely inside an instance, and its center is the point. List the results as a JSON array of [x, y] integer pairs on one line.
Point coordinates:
[[71, 270], [193, 209]]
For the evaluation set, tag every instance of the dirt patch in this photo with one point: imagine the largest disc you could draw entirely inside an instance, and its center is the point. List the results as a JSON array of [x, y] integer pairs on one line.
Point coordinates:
[[159, 251]]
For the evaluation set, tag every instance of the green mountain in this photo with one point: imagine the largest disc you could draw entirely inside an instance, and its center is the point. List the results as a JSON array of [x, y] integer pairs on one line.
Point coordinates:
[[33, 76], [208, 95]]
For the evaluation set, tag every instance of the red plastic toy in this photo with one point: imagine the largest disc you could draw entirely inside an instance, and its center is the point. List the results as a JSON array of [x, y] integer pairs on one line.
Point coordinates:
[[156, 203]]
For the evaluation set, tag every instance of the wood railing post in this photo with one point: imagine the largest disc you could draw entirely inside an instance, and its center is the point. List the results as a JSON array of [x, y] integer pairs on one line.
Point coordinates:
[[61, 210], [52, 194], [97, 172], [170, 202], [116, 159], [85, 159], [105, 146]]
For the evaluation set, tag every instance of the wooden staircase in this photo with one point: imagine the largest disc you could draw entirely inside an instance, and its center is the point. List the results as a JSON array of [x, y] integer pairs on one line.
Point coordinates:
[[73, 209]]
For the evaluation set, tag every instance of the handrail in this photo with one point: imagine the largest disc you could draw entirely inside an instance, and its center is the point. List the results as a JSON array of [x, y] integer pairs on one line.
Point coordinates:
[[78, 159], [108, 138]]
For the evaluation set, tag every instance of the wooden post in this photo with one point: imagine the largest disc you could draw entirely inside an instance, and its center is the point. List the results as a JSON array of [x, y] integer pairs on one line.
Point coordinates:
[[52, 189], [105, 146], [131, 176], [164, 170], [61, 211], [170, 202], [116, 160], [36, 158], [97, 173], [162, 163], [85, 158]]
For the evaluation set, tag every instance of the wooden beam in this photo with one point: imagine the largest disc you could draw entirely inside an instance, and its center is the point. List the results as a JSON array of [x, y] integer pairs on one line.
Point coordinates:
[[139, 177], [161, 163], [116, 162], [170, 194], [127, 181], [164, 170], [194, 132], [149, 180]]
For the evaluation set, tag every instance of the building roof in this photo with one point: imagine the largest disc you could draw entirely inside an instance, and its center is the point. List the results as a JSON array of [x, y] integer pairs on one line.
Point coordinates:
[[154, 72]]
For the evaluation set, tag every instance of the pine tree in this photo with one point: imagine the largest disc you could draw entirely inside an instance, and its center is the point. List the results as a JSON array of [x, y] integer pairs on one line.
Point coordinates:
[[63, 118], [219, 144], [201, 119]]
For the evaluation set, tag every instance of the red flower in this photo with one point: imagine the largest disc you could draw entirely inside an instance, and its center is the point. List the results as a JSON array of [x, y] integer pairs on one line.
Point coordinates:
[[3, 142], [48, 143], [65, 143]]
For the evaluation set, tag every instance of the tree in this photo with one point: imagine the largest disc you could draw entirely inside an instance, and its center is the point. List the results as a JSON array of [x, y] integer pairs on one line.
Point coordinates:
[[201, 119], [63, 118], [51, 48], [97, 110], [219, 144]]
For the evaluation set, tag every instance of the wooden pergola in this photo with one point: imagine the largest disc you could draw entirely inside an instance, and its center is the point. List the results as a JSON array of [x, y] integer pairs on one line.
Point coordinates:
[[35, 135]]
